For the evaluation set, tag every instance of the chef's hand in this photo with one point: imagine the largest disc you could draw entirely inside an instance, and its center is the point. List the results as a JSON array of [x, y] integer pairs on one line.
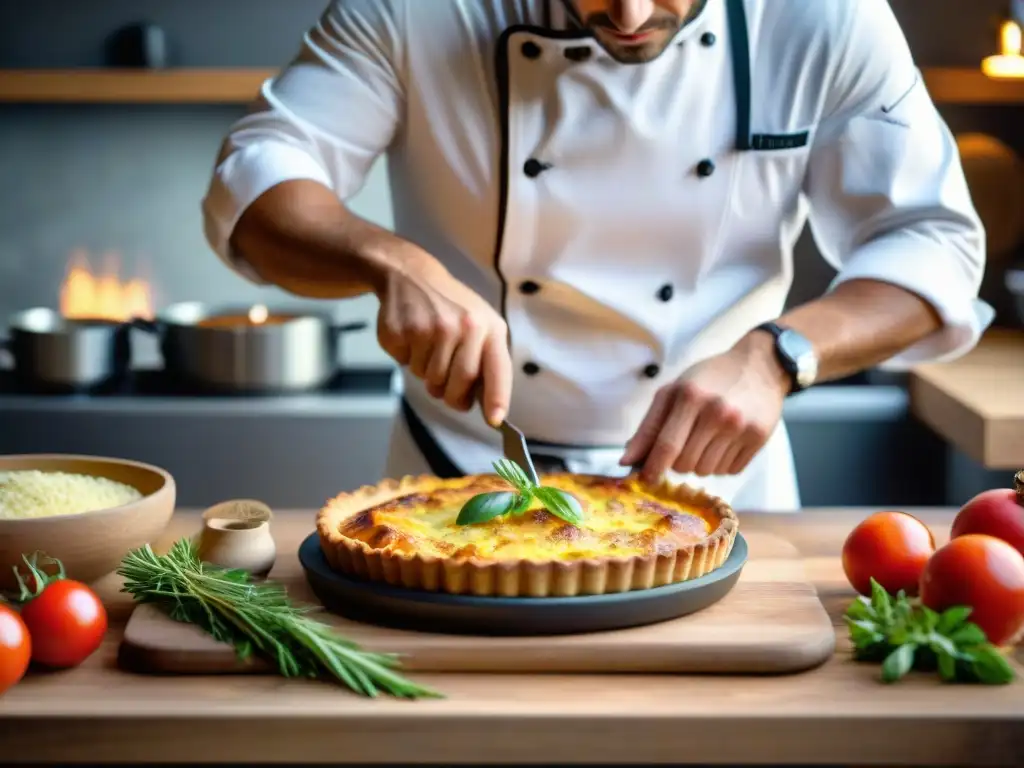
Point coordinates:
[[448, 336], [716, 417]]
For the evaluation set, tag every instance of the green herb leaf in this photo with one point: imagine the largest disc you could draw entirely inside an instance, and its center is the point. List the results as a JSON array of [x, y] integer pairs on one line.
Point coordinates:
[[898, 663], [560, 504], [952, 619], [898, 635], [514, 475], [942, 645], [861, 609], [903, 611], [967, 635], [947, 666], [486, 506], [929, 619], [864, 633], [881, 602], [990, 666]]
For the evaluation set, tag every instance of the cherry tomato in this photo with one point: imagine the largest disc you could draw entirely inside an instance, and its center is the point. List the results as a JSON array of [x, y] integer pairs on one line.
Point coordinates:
[[15, 647], [891, 548], [984, 573], [67, 622]]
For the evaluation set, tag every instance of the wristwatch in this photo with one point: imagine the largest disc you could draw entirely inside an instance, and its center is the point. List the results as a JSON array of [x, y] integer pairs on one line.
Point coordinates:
[[796, 355]]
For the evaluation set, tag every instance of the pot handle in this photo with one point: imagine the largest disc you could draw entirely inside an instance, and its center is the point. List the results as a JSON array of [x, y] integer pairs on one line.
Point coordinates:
[[341, 328], [147, 326]]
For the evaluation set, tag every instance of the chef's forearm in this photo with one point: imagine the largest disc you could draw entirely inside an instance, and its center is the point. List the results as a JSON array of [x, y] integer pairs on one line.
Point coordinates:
[[300, 237], [858, 325]]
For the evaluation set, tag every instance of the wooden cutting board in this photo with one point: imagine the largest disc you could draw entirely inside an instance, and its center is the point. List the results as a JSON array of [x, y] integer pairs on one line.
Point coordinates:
[[770, 623]]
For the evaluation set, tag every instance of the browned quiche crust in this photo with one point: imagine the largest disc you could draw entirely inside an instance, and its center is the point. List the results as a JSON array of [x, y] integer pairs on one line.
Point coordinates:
[[356, 544]]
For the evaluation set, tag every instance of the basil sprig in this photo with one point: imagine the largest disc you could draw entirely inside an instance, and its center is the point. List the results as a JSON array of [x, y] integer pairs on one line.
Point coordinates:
[[487, 506], [903, 635]]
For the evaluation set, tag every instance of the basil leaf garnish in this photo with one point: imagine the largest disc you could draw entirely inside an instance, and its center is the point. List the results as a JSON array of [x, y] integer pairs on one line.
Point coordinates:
[[521, 504], [486, 506], [560, 504], [513, 474]]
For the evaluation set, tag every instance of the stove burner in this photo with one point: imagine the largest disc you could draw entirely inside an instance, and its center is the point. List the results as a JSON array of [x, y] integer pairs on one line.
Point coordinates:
[[159, 383]]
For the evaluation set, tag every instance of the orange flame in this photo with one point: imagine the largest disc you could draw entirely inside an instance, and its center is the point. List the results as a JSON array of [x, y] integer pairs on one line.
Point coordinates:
[[88, 295]]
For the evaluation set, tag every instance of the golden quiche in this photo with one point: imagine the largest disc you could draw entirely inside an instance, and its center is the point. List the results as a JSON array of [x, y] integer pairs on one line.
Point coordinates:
[[631, 536]]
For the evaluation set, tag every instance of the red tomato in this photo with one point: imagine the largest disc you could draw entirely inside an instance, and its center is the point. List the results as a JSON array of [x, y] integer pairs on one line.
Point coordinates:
[[996, 513], [891, 548], [67, 622], [982, 572], [15, 648]]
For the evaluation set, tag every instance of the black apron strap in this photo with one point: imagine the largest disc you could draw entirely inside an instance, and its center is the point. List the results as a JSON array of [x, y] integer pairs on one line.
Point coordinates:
[[438, 461], [739, 41]]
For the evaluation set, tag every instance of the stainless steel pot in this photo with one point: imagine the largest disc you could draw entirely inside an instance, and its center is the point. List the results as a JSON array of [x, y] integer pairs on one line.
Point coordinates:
[[220, 349], [52, 353]]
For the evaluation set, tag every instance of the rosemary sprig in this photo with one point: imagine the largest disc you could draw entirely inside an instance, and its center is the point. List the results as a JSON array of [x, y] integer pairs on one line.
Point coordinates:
[[487, 506], [903, 635], [258, 617]]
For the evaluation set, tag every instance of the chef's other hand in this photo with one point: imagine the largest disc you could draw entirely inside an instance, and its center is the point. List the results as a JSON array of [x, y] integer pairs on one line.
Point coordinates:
[[716, 417], [448, 336]]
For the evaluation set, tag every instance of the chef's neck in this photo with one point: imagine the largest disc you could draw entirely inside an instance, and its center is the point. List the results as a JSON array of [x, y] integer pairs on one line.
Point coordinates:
[[637, 31]]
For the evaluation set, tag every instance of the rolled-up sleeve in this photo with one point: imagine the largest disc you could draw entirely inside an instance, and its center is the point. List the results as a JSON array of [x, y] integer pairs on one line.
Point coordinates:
[[887, 193], [326, 117]]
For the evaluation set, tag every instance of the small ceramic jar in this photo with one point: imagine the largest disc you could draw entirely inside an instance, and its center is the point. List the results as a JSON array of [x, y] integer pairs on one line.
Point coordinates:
[[243, 544]]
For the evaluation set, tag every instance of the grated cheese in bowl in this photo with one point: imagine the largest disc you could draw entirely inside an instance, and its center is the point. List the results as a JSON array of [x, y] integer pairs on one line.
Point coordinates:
[[27, 494]]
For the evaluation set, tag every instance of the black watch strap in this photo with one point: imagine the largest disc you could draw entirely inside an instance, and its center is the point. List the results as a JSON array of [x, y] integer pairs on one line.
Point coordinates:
[[789, 365]]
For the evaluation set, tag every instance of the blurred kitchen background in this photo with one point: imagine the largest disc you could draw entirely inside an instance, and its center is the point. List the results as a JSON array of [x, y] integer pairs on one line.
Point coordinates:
[[99, 207]]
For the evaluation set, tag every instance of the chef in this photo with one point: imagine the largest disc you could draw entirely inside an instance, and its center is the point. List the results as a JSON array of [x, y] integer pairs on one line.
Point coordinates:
[[595, 207]]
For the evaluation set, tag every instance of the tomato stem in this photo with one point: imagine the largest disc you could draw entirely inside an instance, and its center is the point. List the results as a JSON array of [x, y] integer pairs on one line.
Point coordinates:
[[1018, 486], [40, 578]]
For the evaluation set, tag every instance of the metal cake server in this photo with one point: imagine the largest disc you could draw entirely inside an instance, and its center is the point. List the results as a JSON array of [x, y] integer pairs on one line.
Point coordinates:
[[513, 445]]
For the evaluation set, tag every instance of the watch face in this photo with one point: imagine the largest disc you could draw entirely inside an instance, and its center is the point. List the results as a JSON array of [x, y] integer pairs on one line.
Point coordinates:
[[798, 349]]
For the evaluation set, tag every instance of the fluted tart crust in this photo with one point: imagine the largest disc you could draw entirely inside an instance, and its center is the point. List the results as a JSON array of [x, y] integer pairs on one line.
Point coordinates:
[[633, 536]]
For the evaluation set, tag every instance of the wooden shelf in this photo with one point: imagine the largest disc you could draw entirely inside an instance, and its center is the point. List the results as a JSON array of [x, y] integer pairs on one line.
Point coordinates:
[[971, 86], [239, 86], [975, 402], [126, 86]]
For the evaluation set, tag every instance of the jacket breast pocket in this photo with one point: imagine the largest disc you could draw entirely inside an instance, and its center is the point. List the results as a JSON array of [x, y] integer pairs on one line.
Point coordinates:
[[770, 176]]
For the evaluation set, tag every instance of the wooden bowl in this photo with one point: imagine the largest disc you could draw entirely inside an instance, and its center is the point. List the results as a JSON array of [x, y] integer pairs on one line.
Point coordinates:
[[91, 544]]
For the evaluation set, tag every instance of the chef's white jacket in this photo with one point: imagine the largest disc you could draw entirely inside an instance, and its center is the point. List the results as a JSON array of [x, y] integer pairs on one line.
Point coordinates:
[[627, 220]]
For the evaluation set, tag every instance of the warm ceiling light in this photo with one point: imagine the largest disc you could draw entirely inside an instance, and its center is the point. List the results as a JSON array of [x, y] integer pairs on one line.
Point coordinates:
[[1008, 63], [258, 314]]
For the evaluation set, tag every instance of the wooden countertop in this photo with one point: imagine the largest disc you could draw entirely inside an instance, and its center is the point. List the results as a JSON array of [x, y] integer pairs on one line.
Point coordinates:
[[977, 402], [837, 714]]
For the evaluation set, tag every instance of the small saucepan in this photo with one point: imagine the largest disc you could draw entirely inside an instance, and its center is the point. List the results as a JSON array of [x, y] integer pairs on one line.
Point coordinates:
[[248, 350], [54, 354]]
